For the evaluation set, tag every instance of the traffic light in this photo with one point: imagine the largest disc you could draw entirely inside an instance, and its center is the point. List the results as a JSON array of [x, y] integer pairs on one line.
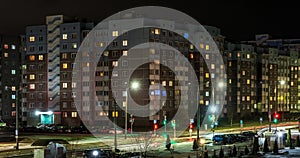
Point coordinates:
[[276, 117], [165, 122], [155, 127], [191, 126]]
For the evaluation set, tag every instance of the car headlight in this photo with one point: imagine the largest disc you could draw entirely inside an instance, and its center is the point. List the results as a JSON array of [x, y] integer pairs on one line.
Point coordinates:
[[95, 153]]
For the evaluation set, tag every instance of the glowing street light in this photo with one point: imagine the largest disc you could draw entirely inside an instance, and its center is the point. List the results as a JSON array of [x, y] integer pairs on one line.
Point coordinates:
[[134, 85]]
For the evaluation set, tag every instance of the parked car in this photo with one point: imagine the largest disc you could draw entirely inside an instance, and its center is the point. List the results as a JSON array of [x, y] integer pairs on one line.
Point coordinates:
[[221, 139], [118, 131], [97, 153]]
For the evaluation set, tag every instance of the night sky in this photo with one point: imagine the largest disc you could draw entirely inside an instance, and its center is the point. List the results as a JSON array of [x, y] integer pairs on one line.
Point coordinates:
[[238, 20]]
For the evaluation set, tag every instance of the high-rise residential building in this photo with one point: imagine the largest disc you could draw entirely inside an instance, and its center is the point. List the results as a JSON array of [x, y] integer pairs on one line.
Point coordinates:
[[261, 76], [50, 50], [9, 78]]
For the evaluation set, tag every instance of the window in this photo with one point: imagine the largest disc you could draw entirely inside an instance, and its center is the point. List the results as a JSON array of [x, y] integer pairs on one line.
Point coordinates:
[[125, 43], [74, 114], [157, 31], [65, 85], [32, 77], [115, 33], [41, 57], [13, 88], [248, 56], [41, 38], [74, 84], [5, 46], [41, 48], [32, 86], [31, 57], [74, 35], [31, 48], [65, 114], [207, 75], [74, 45], [31, 39], [248, 81], [13, 47], [115, 63], [170, 83], [65, 66], [243, 72], [65, 36], [13, 72], [207, 47], [125, 52], [64, 56], [164, 83], [6, 55]]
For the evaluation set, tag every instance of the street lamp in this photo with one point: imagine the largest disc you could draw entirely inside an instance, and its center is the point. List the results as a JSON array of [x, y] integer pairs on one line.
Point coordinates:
[[17, 115], [213, 106], [134, 85], [282, 82]]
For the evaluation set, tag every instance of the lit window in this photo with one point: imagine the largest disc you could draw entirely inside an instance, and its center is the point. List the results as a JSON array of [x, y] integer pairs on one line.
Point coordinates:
[[13, 47], [125, 52], [157, 31], [32, 77], [207, 75], [41, 57], [170, 83], [248, 56], [207, 93], [31, 57], [74, 45], [65, 85], [13, 105], [229, 81], [64, 56], [243, 72], [191, 46], [238, 54], [207, 56], [164, 83], [191, 56], [201, 45], [13, 96], [74, 114], [32, 86], [229, 64], [65, 36], [13, 88], [206, 102], [248, 81], [5, 46], [152, 82], [212, 66], [125, 43], [65, 66], [6, 55], [74, 84], [115, 33], [31, 39], [248, 98], [115, 63], [13, 72], [207, 47]]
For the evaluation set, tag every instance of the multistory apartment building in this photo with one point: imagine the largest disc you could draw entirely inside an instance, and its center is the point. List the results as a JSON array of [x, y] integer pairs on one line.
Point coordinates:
[[9, 78]]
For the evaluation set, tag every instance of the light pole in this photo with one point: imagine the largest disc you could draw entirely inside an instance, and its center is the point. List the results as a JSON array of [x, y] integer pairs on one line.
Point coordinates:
[[282, 82], [17, 116], [134, 85]]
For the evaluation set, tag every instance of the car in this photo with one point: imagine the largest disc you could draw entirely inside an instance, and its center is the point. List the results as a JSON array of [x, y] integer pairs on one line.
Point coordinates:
[[118, 131], [97, 153], [220, 139], [248, 134]]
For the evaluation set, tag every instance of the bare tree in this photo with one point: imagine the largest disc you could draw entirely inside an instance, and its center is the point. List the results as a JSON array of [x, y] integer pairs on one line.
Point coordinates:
[[145, 142]]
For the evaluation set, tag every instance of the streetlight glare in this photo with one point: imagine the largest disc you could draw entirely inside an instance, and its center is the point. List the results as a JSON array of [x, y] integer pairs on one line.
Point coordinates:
[[221, 84], [213, 109], [135, 85]]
